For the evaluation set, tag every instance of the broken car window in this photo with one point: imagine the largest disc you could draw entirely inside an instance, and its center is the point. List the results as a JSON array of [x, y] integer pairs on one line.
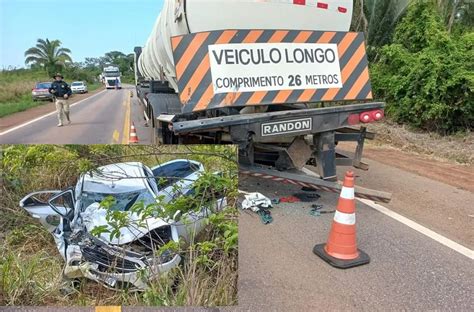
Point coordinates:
[[123, 201]]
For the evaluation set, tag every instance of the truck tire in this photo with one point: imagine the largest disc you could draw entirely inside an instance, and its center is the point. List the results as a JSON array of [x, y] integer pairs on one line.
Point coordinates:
[[158, 104], [164, 103]]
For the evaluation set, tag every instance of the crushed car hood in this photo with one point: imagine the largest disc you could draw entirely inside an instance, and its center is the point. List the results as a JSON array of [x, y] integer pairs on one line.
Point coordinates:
[[95, 216]]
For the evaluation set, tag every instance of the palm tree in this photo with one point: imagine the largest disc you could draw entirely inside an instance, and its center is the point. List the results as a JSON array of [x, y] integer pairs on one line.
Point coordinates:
[[378, 18], [49, 55]]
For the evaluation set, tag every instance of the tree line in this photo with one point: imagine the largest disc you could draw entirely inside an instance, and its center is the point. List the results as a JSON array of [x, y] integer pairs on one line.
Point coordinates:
[[421, 55], [50, 56]]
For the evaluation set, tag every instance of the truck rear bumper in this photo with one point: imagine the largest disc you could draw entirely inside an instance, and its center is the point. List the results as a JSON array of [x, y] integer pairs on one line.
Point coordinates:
[[266, 126]]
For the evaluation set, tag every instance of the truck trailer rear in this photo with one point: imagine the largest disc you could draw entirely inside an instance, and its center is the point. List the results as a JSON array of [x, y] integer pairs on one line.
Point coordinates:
[[285, 80]]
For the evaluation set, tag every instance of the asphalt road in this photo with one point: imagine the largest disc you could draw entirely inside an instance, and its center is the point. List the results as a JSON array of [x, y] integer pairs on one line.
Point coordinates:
[[408, 270], [103, 118]]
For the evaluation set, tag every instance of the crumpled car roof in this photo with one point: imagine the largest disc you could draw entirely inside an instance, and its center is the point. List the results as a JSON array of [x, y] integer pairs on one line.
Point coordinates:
[[116, 178]]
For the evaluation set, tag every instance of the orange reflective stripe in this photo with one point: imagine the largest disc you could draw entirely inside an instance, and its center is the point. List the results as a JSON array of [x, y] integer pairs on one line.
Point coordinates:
[[252, 36], [346, 72], [345, 43], [302, 37], [306, 95], [257, 97], [197, 41], [278, 36], [205, 98], [197, 77], [175, 41], [327, 37], [282, 96], [359, 84], [203, 69]]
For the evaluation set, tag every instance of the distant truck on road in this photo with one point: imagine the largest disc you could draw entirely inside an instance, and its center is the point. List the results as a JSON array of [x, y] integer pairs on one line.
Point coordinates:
[[284, 80], [110, 76]]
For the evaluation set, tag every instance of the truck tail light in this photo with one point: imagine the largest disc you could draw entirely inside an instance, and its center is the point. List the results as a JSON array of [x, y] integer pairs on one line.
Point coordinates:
[[377, 115], [366, 117], [353, 119]]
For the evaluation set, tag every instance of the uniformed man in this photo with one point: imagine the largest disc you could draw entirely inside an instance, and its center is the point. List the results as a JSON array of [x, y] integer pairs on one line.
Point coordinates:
[[61, 92]]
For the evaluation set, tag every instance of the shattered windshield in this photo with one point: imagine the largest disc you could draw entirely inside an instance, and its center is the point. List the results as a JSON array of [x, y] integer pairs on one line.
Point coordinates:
[[123, 201], [172, 173]]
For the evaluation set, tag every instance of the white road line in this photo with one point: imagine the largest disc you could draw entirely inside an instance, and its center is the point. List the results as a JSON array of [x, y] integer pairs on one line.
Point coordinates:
[[413, 225], [44, 116], [419, 228]]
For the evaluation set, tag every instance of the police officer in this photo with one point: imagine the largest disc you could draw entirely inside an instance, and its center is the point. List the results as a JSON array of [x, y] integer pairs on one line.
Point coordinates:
[[61, 92]]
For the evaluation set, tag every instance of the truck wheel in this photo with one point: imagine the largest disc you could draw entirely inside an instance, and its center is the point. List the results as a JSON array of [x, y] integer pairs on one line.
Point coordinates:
[[154, 136], [153, 125]]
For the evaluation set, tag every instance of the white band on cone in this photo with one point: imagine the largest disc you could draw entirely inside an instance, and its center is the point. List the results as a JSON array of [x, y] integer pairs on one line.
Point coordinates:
[[347, 192], [345, 218]]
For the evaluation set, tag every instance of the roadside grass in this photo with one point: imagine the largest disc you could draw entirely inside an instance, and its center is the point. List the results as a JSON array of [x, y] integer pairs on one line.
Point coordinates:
[[93, 86], [31, 266], [24, 101], [457, 148], [16, 86], [20, 104]]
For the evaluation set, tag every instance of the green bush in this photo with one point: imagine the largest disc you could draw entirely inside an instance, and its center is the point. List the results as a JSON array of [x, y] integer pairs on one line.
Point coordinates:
[[427, 76]]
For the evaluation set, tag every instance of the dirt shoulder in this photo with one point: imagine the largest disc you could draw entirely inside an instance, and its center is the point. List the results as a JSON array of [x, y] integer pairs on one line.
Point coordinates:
[[458, 148], [460, 176], [34, 112], [447, 159]]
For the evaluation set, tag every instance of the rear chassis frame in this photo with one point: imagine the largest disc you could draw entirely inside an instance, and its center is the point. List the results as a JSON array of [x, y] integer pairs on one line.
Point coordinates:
[[288, 152]]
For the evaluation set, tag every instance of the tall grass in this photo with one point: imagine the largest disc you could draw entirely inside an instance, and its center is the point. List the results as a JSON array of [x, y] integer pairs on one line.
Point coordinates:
[[30, 267]]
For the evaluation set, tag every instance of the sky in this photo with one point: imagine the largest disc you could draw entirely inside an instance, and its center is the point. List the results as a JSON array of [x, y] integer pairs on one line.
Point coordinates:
[[89, 28]]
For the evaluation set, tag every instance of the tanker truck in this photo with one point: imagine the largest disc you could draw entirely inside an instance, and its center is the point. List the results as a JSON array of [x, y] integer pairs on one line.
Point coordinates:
[[285, 80]]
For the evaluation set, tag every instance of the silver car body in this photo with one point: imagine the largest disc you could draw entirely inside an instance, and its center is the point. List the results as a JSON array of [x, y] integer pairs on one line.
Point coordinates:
[[120, 261], [79, 87]]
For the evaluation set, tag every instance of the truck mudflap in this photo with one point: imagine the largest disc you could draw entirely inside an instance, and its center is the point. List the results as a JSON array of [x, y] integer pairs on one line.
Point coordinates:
[[309, 179], [283, 123]]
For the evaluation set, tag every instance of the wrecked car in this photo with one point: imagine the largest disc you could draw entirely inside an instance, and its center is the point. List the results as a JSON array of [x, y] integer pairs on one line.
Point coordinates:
[[128, 259]]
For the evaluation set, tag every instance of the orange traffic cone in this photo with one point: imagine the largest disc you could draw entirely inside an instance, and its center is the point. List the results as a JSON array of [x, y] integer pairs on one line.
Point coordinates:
[[133, 134], [341, 248]]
